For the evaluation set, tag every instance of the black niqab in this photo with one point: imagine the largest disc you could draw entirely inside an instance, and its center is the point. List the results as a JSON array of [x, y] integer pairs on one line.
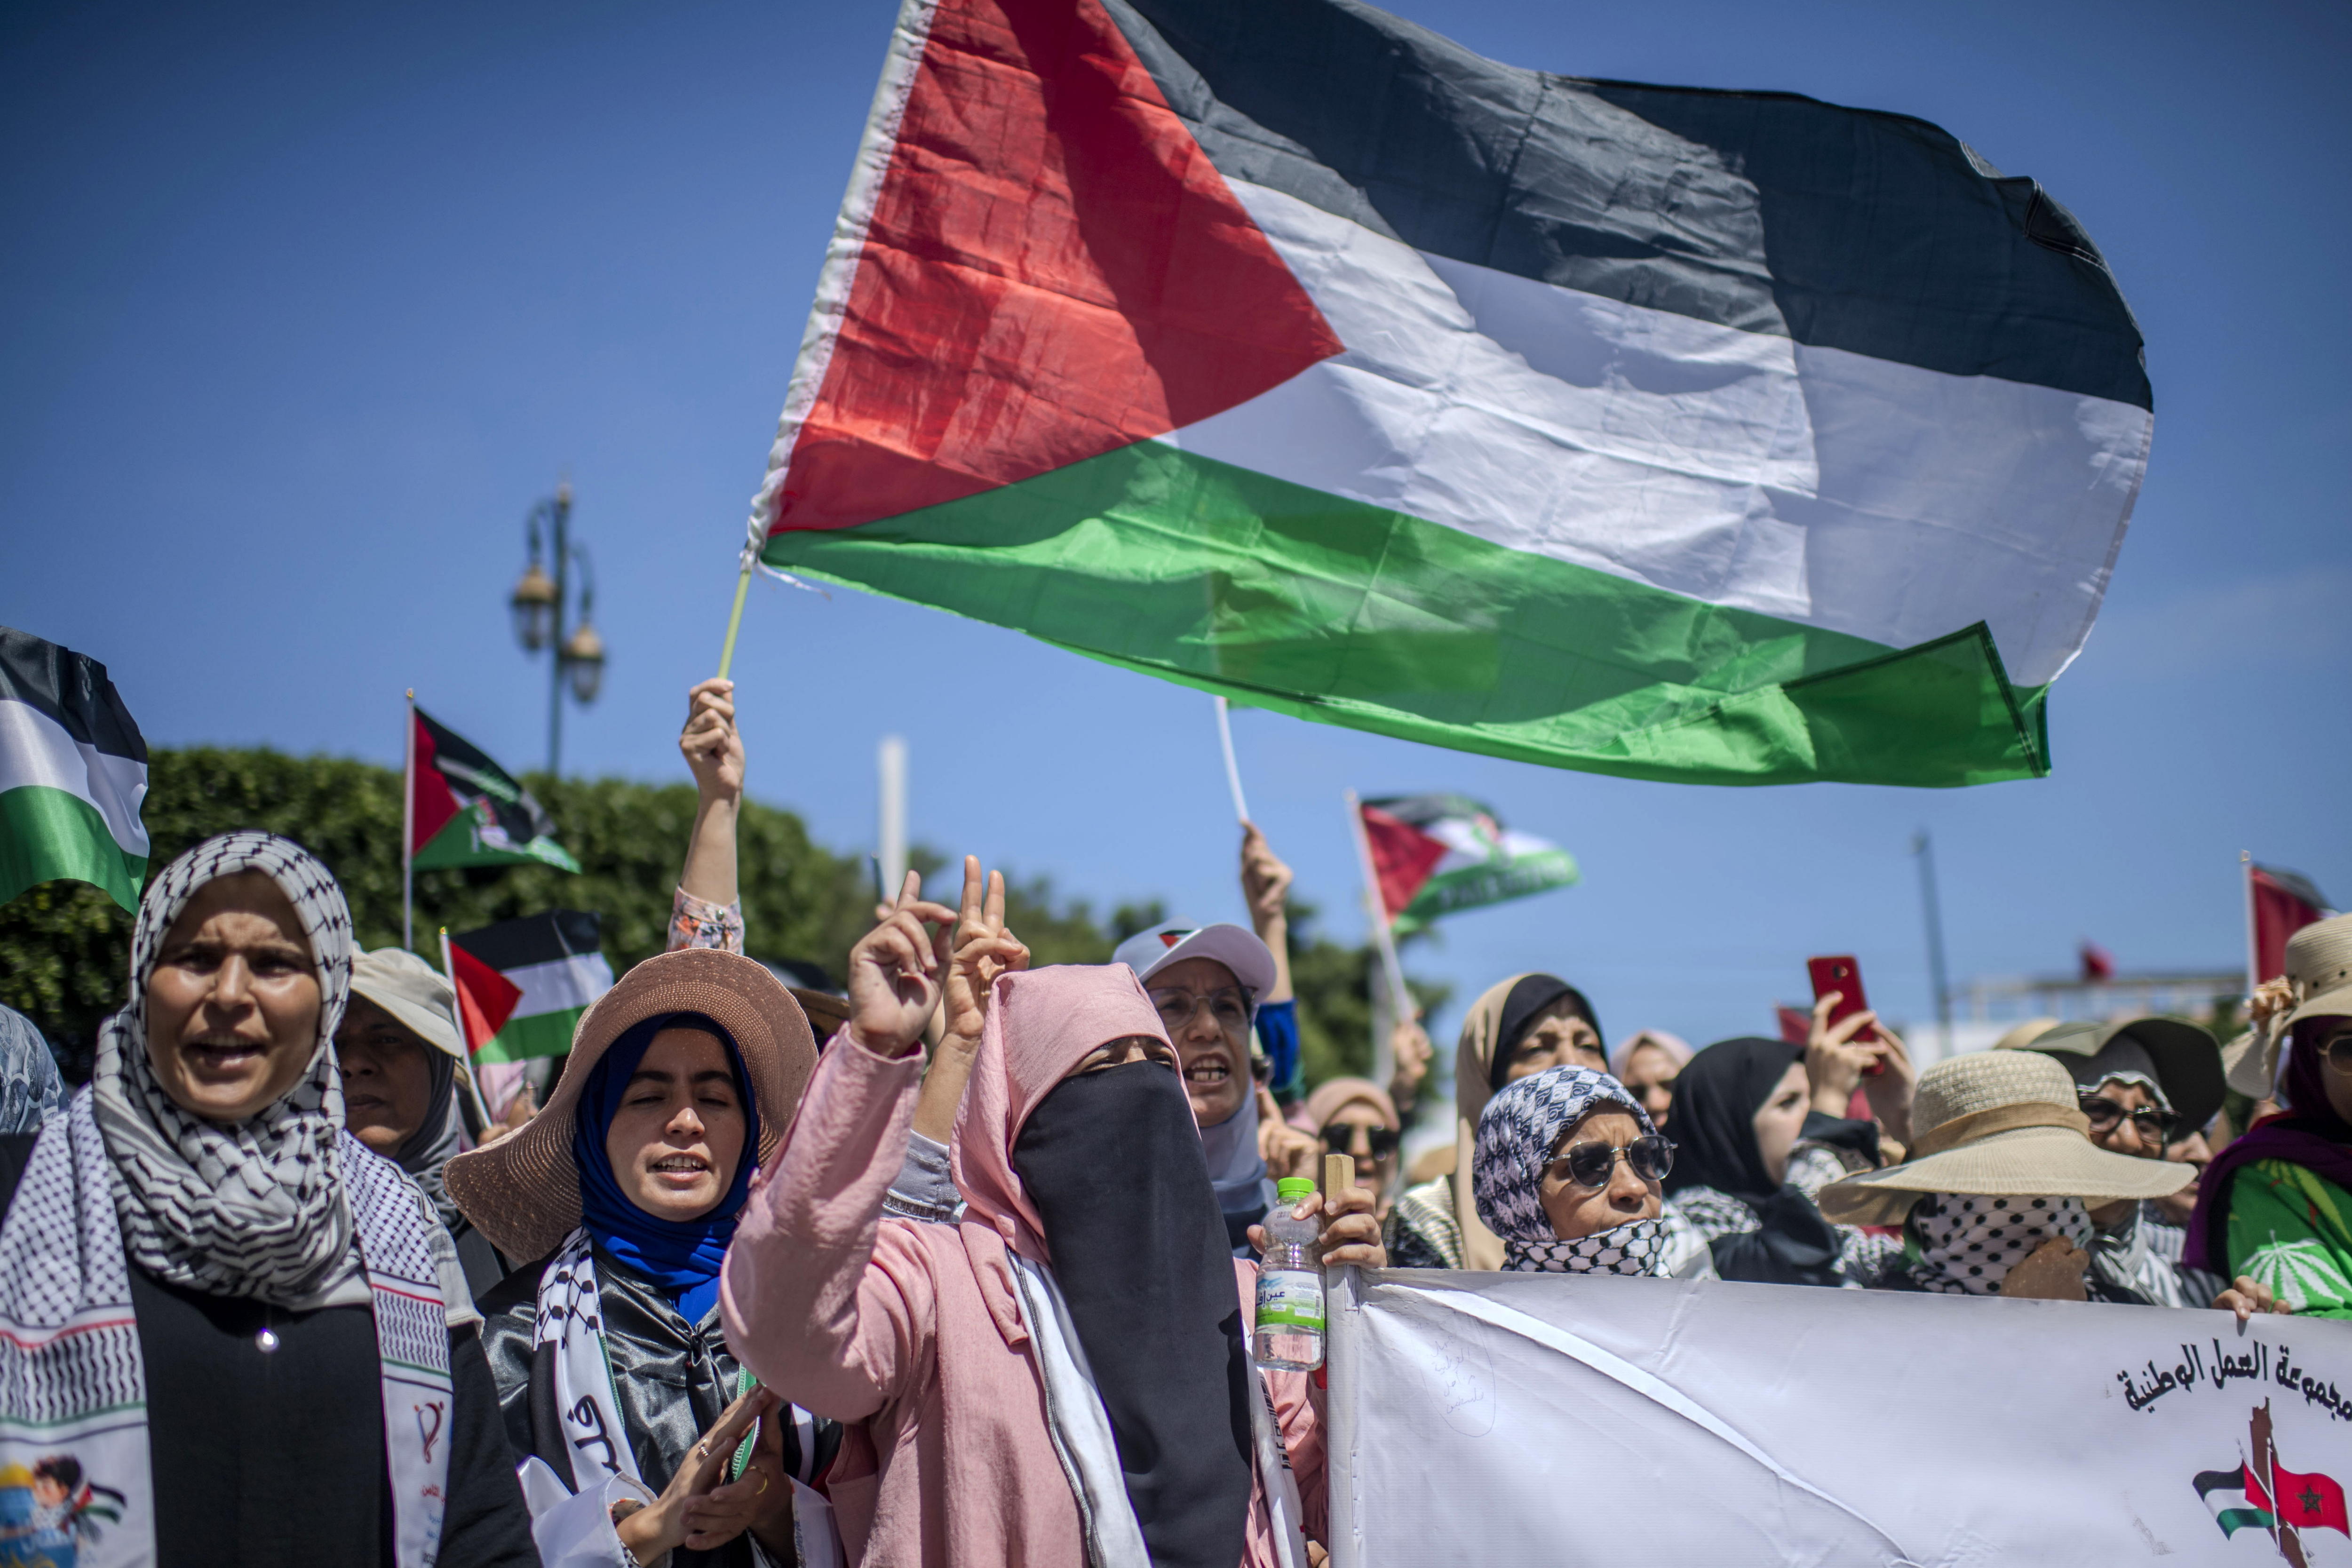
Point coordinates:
[[1113, 1166], [1528, 998]]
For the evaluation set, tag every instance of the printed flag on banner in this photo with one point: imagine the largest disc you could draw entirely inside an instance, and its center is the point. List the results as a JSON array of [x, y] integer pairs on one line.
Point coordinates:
[[468, 811], [553, 962], [1437, 854], [2062, 1435], [1290, 351], [73, 773], [2279, 904]]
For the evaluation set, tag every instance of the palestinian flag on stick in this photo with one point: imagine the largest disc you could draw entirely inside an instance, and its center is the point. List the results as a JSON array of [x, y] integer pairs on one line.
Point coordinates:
[[1435, 854], [73, 773], [466, 810], [1287, 350], [553, 967], [2237, 1499], [2279, 904]]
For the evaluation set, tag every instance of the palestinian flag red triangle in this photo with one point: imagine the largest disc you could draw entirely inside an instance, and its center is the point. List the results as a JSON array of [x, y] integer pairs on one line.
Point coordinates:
[[1052, 269]]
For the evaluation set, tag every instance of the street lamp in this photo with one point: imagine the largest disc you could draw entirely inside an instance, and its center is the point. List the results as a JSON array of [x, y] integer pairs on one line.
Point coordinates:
[[537, 605]]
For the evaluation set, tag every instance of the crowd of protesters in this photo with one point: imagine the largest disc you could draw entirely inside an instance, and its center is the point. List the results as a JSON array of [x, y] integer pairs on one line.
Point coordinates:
[[961, 1272]]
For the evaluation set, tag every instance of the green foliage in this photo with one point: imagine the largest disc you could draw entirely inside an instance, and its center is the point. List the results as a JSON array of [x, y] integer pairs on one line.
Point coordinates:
[[65, 946]]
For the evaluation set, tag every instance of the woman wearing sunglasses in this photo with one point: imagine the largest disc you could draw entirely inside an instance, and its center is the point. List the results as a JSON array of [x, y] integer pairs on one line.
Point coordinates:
[[2140, 1085], [1354, 1116], [1569, 1172]]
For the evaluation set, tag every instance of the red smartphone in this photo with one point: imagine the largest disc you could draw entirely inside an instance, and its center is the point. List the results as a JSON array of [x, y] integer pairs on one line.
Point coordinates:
[[1839, 972]]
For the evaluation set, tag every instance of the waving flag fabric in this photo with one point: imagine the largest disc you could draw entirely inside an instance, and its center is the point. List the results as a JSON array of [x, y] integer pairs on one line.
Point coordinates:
[[73, 773], [527, 981], [1287, 350], [466, 810], [1436, 853]]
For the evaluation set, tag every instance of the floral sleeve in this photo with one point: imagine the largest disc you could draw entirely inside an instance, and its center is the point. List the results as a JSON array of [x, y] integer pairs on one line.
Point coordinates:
[[693, 923]]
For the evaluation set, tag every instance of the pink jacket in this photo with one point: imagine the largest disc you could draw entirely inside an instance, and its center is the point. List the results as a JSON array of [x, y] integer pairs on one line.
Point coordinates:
[[911, 1336]]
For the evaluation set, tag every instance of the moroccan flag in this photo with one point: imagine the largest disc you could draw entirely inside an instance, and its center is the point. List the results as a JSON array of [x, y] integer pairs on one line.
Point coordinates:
[[1435, 854], [466, 810], [1289, 351], [73, 771], [2279, 904], [2237, 1499], [553, 962], [2308, 1502]]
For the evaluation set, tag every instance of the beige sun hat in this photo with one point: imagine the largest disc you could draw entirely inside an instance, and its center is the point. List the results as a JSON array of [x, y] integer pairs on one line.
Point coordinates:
[[2003, 1124], [414, 993], [2319, 968], [523, 1191]]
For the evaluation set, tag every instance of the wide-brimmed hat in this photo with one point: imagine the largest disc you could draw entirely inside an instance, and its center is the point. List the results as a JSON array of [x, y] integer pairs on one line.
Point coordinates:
[[2187, 1059], [523, 1191], [2319, 967], [1999, 1124], [416, 995]]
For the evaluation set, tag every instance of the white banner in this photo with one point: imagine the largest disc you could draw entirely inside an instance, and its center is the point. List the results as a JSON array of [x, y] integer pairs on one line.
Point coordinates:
[[1552, 1418]]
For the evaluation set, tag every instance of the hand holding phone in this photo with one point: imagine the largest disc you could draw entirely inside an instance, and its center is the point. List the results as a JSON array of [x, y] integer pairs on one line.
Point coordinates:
[[1842, 972]]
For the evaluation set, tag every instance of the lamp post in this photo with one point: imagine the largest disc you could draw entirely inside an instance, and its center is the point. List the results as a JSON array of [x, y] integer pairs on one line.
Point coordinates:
[[539, 603]]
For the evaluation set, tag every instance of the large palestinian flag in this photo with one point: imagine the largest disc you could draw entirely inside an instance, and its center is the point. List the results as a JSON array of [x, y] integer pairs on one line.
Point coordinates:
[[73, 773], [1287, 350], [523, 983]]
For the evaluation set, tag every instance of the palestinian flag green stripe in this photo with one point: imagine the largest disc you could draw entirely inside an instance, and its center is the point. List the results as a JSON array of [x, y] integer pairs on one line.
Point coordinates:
[[536, 1035], [48, 834], [1235, 582], [2233, 1520]]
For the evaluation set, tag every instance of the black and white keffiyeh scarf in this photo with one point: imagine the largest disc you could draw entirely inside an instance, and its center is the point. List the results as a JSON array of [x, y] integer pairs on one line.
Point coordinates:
[[1518, 1133], [1637, 1246], [253, 1208], [1965, 1245]]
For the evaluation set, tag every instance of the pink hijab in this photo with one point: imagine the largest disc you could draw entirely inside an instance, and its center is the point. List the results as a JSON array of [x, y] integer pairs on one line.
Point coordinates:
[[1041, 1024]]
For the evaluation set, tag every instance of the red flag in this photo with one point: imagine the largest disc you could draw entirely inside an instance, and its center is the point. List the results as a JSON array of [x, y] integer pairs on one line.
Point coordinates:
[[1402, 858], [2279, 904], [2308, 1502], [1796, 1023], [2098, 964], [486, 999]]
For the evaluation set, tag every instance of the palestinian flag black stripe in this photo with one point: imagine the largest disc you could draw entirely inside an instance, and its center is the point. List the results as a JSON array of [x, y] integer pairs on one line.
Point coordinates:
[[555, 960], [73, 773], [1769, 211]]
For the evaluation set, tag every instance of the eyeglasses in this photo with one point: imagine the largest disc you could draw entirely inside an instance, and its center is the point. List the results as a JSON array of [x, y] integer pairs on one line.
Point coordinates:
[[1652, 1155], [1339, 1138], [2337, 1053], [1229, 1007], [2155, 1125]]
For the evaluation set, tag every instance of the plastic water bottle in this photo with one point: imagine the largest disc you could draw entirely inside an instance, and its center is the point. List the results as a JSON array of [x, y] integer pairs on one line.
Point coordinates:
[[1289, 1336]]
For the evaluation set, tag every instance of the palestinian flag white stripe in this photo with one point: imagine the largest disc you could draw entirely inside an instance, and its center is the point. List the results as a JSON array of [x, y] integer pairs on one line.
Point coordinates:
[[565, 984], [1860, 495], [36, 752]]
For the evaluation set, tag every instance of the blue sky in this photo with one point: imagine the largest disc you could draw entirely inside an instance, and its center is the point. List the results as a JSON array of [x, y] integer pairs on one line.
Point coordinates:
[[306, 305]]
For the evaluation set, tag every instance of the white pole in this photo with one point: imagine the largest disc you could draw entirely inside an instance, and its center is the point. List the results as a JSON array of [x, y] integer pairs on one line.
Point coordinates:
[[890, 763], [1233, 770], [408, 828], [2254, 954], [1376, 911]]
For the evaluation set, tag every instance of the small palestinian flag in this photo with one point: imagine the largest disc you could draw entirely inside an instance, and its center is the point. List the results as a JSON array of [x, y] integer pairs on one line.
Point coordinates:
[[2237, 1499], [466, 810], [551, 962], [1290, 351], [73, 771], [2279, 904], [1436, 853]]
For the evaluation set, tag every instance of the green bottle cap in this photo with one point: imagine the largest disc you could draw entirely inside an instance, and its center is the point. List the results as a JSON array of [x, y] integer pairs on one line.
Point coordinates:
[[1290, 1189]]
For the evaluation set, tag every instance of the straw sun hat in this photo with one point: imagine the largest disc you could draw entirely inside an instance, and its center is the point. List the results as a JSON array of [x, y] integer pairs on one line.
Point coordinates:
[[523, 1191], [2002, 1124], [2319, 967]]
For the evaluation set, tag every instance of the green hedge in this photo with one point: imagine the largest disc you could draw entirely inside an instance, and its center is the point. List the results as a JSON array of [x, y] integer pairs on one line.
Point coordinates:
[[65, 946]]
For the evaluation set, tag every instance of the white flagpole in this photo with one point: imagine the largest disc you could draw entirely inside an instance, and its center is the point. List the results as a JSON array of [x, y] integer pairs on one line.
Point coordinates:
[[1232, 769], [408, 828], [2254, 955], [1376, 911]]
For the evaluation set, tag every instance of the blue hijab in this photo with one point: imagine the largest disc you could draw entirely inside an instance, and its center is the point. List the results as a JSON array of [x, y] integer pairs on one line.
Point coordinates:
[[681, 1256]]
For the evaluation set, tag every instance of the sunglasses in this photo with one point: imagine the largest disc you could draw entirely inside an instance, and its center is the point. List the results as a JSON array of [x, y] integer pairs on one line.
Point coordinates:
[[1339, 1138], [1652, 1155], [2155, 1126]]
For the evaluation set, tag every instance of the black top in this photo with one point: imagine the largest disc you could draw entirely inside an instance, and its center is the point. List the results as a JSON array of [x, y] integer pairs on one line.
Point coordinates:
[[672, 1379], [276, 1461]]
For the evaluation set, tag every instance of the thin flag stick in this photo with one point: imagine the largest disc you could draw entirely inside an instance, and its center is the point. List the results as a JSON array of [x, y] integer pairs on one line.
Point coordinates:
[[1375, 910], [1232, 769], [458, 1014], [408, 829], [2254, 955], [735, 619]]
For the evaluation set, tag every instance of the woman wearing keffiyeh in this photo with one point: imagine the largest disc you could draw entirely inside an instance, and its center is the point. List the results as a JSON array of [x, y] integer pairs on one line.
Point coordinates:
[[1568, 1171]]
